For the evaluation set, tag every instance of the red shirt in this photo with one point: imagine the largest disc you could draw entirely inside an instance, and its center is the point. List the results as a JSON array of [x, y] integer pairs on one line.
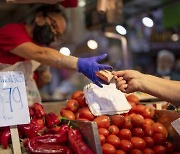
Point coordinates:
[[11, 36]]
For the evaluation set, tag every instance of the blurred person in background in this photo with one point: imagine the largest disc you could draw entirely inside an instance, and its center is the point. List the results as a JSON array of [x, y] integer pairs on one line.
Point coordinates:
[[129, 81], [20, 42]]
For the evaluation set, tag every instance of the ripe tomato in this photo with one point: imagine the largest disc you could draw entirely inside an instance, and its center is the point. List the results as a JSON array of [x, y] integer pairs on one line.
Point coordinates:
[[68, 114], [138, 132], [114, 140], [148, 121], [149, 142], [113, 129], [159, 128], [86, 113], [117, 120], [120, 152], [148, 112], [108, 149], [127, 123], [125, 134], [82, 119], [169, 147], [61, 110], [133, 107], [102, 139], [159, 139], [159, 149], [82, 101], [148, 151], [102, 121], [103, 131], [76, 94], [137, 120], [139, 109], [138, 143], [148, 130], [125, 145], [72, 105], [136, 151], [132, 98]]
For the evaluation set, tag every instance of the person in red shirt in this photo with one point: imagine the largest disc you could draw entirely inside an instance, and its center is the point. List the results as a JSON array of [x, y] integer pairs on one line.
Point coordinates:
[[30, 41]]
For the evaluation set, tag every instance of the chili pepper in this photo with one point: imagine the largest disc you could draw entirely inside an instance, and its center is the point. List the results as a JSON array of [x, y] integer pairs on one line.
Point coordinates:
[[51, 119], [76, 142], [5, 137], [54, 130], [64, 128], [31, 112], [38, 109]]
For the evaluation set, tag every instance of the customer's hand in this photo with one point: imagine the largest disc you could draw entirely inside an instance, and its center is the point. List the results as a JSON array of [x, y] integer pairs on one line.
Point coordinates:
[[89, 67]]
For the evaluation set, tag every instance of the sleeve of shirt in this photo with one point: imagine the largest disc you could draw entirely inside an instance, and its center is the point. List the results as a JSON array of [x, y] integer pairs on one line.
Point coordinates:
[[13, 35]]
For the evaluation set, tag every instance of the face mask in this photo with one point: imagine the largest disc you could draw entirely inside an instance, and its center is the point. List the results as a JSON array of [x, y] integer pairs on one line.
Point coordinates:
[[43, 34]]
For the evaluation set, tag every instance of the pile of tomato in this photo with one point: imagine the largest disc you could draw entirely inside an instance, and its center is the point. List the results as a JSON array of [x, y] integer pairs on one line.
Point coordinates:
[[135, 132]]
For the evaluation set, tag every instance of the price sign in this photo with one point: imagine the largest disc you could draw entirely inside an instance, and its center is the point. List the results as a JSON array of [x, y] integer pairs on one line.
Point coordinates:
[[13, 99]]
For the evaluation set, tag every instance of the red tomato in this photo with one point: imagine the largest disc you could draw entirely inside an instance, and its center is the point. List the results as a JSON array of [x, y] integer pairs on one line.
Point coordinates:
[[159, 139], [108, 149], [86, 113], [148, 121], [120, 152], [139, 109], [103, 131], [138, 143], [125, 145], [159, 128], [159, 149], [125, 134], [148, 151], [149, 142], [114, 140], [138, 132], [113, 129], [77, 114], [127, 123], [136, 151], [72, 105], [68, 114], [82, 101], [148, 112], [169, 147], [133, 107], [132, 98], [137, 120], [61, 110], [148, 130], [102, 139], [117, 120], [102, 121], [76, 94], [82, 119]]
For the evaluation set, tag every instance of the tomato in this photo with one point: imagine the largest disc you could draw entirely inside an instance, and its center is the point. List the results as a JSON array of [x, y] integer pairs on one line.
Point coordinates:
[[169, 147], [82, 119], [125, 145], [159, 139], [86, 113], [103, 131], [133, 107], [127, 123], [125, 134], [136, 151], [114, 140], [159, 128], [113, 129], [138, 132], [68, 114], [108, 149], [159, 149], [117, 120], [102, 139], [120, 152], [148, 130], [82, 101], [137, 120], [139, 109], [138, 143], [148, 121], [149, 142], [132, 98], [148, 112], [76, 94], [77, 114], [61, 110], [72, 105], [102, 121], [148, 151]]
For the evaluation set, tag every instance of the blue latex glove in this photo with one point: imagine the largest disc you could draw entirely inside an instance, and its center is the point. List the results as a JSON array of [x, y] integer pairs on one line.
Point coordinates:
[[89, 67]]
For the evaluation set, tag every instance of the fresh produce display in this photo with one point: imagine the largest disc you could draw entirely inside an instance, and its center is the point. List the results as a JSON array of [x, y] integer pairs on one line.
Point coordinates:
[[135, 132]]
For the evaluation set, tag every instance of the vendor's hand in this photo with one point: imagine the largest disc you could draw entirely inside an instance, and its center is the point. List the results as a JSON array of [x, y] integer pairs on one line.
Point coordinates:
[[89, 67]]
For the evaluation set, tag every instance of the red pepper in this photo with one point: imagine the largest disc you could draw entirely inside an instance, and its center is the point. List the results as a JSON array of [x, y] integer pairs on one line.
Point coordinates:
[[64, 128], [76, 142], [51, 120], [54, 130], [38, 109], [5, 137], [31, 112]]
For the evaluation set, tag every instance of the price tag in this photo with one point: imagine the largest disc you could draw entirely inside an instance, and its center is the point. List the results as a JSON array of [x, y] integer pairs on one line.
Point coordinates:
[[13, 99], [176, 125]]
